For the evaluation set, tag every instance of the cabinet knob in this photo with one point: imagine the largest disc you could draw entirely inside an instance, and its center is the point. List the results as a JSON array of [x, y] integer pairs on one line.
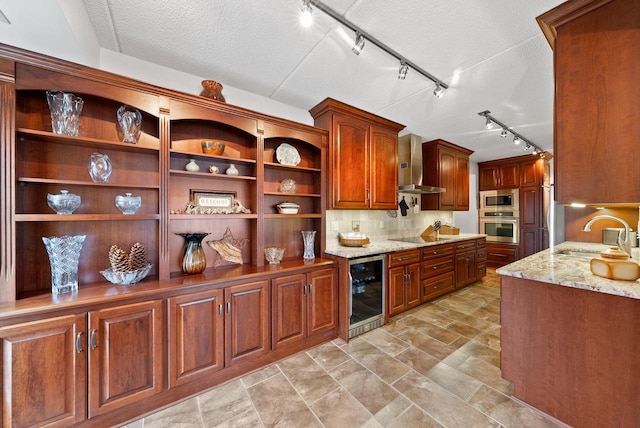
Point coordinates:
[[93, 340], [79, 343]]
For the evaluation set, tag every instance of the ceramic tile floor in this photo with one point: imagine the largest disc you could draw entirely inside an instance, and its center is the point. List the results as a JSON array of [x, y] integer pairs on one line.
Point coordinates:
[[434, 366]]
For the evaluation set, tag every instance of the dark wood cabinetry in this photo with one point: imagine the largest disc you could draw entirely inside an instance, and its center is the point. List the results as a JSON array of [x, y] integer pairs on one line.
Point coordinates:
[[597, 120], [363, 156], [437, 273], [465, 263], [501, 254], [403, 277], [303, 305], [44, 372], [502, 175], [446, 165]]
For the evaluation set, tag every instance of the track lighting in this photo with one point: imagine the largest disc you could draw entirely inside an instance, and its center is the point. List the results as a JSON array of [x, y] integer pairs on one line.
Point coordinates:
[[517, 138], [306, 16], [488, 124], [358, 44], [438, 92], [362, 35], [402, 71]]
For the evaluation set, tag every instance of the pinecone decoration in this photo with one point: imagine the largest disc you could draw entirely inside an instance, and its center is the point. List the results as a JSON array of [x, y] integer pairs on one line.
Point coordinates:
[[138, 256], [119, 259]]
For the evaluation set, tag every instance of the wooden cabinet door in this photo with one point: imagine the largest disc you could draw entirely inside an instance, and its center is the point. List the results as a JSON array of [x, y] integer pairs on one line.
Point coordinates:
[[466, 267], [196, 335], [488, 177], [531, 172], [44, 372], [350, 173], [246, 321], [448, 179], [288, 309], [322, 298], [509, 176], [413, 285], [384, 169], [530, 241], [462, 174], [397, 281], [530, 209], [126, 355]]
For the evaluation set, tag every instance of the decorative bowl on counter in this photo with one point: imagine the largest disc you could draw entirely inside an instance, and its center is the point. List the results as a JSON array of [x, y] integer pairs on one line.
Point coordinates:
[[128, 204], [288, 208], [65, 203], [212, 147], [274, 255], [126, 277]]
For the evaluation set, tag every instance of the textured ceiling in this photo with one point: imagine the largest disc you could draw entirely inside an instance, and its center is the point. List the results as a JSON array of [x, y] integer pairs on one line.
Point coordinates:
[[490, 52]]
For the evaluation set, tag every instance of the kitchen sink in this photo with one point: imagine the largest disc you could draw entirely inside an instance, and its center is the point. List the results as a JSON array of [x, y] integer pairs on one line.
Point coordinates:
[[579, 254]]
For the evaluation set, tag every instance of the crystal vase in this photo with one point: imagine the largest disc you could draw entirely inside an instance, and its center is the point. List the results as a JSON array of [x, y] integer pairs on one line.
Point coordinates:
[[194, 260], [129, 120], [64, 253], [65, 109], [308, 238]]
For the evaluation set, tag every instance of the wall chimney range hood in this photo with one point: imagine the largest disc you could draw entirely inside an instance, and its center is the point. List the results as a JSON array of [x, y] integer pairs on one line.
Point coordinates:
[[410, 166]]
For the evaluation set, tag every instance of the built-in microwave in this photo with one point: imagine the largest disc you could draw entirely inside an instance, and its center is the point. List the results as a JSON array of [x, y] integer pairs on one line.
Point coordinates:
[[499, 200]]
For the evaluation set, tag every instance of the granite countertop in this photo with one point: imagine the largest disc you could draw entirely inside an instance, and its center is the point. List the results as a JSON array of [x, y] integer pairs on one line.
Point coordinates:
[[389, 245], [553, 267]]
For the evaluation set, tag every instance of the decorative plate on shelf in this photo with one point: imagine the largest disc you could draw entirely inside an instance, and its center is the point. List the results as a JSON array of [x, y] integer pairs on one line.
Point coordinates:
[[286, 154]]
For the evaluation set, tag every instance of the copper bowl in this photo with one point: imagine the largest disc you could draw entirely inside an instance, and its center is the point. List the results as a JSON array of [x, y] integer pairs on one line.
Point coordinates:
[[212, 147]]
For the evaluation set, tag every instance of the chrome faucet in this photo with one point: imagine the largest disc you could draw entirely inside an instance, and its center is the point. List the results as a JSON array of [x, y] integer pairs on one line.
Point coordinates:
[[624, 237]]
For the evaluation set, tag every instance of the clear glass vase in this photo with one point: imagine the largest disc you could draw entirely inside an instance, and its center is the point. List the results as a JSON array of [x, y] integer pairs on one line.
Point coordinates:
[[64, 254], [308, 238], [129, 120], [65, 109], [194, 260]]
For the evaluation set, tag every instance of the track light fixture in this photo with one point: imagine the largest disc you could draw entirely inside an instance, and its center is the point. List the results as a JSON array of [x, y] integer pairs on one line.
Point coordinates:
[[517, 138], [358, 44], [403, 70], [306, 15], [306, 8]]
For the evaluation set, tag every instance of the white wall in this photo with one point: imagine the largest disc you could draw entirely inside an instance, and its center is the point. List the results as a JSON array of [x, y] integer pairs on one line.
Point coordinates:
[[467, 221]]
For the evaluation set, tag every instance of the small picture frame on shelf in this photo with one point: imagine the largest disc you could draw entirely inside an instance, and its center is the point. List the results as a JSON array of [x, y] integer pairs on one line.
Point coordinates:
[[212, 199]]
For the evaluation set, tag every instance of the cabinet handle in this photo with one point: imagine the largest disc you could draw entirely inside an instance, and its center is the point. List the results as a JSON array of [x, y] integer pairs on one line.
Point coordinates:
[[498, 254], [310, 289], [304, 290], [229, 309], [368, 194], [444, 265], [401, 259], [220, 310], [92, 340], [79, 343]]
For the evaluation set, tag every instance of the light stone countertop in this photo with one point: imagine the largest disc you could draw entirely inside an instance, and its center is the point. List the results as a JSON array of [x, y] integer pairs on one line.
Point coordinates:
[[389, 245], [570, 270]]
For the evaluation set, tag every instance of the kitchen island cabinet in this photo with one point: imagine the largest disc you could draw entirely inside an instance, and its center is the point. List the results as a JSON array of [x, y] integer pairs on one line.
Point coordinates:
[[363, 156], [446, 165], [596, 120], [569, 339]]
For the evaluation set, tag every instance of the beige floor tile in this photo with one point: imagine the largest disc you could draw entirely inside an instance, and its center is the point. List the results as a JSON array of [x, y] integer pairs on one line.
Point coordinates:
[[385, 341], [418, 360], [307, 377], [433, 317], [278, 404], [328, 355], [184, 415], [381, 400], [429, 329], [428, 344], [479, 350], [260, 375], [383, 365], [227, 406], [340, 410], [453, 380], [487, 374], [490, 340], [508, 412], [440, 404], [463, 329], [414, 417]]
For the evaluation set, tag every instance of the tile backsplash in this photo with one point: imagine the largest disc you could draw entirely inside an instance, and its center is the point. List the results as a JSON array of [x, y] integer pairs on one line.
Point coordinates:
[[380, 224]]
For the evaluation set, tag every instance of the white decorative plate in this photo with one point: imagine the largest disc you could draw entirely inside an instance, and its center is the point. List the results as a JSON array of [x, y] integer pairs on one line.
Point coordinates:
[[286, 154]]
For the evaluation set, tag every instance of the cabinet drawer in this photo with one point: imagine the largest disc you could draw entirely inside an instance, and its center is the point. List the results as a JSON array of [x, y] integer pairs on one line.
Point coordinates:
[[481, 242], [501, 254], [482, 270], [400, 258], [481, 254], [437, 251], [436, 267], [437, 286], [465, 245]]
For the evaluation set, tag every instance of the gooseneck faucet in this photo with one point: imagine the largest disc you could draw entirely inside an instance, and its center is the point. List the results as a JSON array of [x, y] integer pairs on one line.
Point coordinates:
[[624, 237]]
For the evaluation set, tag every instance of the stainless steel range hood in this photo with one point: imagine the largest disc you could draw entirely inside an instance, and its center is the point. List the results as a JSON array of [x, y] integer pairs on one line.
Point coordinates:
[[410, 166]]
